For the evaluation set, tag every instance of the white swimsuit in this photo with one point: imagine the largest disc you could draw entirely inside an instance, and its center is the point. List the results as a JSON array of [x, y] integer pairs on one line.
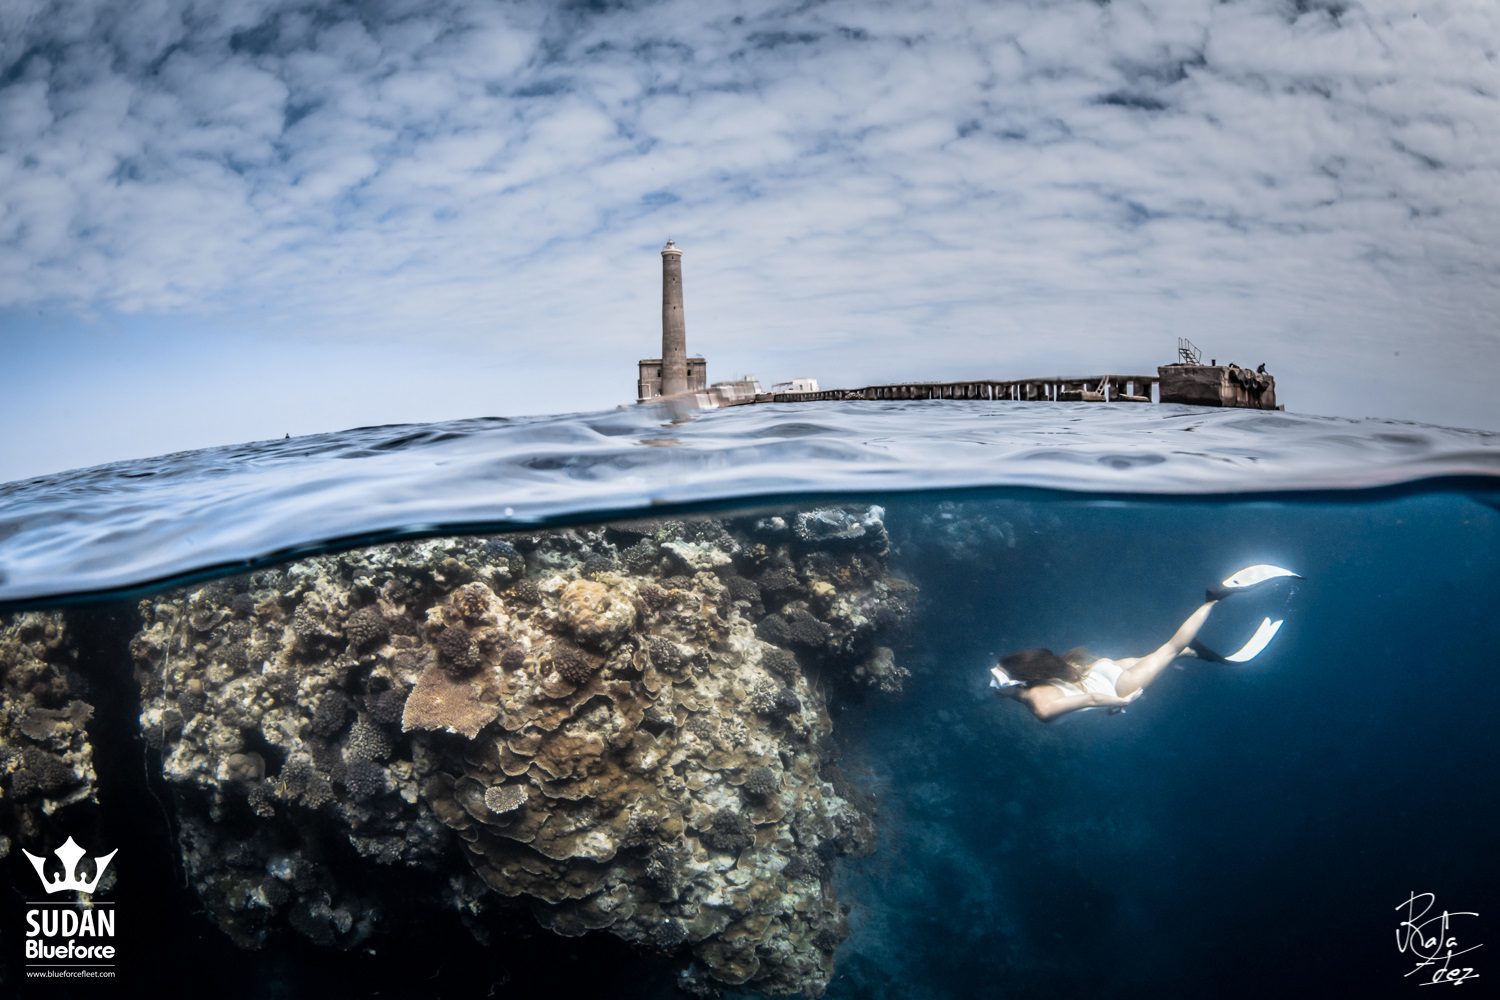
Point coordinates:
[[1100, 678]]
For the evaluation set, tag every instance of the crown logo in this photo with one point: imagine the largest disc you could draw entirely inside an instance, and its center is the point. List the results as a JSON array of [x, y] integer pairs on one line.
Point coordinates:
[[70, 854]]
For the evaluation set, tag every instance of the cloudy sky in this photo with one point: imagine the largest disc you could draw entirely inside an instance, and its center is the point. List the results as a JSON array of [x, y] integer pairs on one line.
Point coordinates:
[[224, 220]]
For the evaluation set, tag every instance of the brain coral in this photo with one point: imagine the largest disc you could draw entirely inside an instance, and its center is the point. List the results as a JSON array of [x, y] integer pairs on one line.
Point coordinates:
[[598, 615]]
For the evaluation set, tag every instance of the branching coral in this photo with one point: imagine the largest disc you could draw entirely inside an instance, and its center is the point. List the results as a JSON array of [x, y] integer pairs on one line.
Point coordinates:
[[728, 831], [665, 654], [364, 779], [761, 783], [367, 742], [456, 649], [572, 663], [366, 627], [330, 715], [795, 627]]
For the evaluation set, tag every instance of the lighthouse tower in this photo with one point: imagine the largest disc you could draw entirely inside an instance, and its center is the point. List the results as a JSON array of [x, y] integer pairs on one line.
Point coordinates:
[[674, 374]]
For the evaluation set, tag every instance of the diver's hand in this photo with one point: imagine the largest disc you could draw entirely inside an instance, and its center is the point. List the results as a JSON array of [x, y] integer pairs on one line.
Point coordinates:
[[1118, 704]]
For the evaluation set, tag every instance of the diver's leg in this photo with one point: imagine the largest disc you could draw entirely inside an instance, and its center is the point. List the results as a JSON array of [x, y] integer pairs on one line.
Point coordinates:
[[1140, 676], [1147, 668]]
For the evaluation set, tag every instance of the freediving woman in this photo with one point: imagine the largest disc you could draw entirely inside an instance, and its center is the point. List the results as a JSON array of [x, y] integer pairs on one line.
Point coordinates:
[[1053, 686]]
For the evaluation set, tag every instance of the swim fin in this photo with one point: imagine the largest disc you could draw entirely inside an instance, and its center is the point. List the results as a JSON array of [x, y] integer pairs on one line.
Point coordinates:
[[1248, 577], [1259, 641], [1200, 649], [1249, 651]]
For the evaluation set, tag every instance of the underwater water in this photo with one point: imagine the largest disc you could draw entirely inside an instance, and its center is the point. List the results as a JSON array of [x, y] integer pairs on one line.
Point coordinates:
[[650, 709], [1244, 829]]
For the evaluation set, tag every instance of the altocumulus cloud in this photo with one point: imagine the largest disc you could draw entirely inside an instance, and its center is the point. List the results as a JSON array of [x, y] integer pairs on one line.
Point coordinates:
[[865, 190]]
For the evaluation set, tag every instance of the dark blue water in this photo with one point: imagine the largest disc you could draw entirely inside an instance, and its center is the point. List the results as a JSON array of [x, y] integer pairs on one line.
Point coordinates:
[[1242, 830]]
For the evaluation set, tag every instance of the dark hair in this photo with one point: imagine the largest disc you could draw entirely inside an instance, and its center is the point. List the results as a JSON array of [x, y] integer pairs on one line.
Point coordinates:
[[1038, 666]]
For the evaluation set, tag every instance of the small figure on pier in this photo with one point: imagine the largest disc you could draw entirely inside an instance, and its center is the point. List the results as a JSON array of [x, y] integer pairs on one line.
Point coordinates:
[[1053, 686]]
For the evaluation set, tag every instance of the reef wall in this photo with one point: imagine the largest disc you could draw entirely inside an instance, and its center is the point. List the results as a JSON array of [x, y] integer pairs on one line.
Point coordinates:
[[624, 729], [46, 756]]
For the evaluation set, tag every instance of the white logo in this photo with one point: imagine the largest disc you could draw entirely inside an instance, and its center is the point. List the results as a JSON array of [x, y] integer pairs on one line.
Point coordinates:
[[70, 854]]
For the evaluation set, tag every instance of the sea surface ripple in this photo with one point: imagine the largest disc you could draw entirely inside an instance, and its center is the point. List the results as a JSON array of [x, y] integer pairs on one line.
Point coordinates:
[[116, 528]]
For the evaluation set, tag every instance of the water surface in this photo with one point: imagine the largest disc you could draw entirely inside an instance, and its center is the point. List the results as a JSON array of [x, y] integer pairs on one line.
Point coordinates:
[[224, 675]]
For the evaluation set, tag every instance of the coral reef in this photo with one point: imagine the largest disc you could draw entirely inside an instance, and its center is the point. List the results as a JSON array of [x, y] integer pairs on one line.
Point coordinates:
[[46, 756], [623, 729], [972, 536]]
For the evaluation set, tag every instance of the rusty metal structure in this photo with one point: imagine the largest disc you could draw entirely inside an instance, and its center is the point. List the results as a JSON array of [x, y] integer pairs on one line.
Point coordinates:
[[1085, 388], [1217, 385], [1201, 385]]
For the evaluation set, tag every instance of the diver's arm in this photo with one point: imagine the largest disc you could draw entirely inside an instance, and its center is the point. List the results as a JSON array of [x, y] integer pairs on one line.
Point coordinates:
[[1047, 702]]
